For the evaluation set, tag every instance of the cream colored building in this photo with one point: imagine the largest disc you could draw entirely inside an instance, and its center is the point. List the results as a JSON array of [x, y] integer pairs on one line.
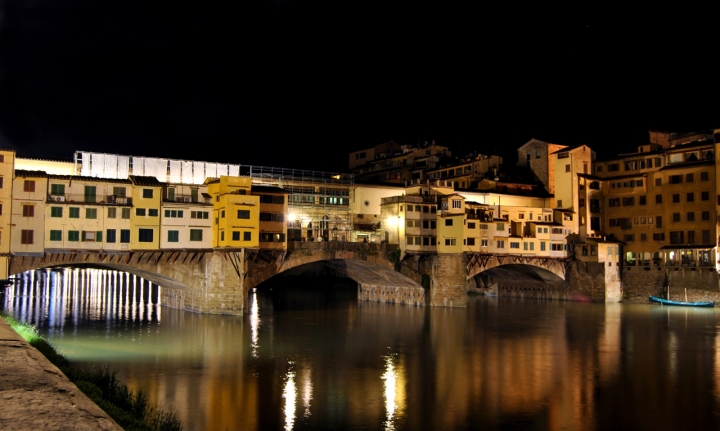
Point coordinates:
[[29, 191], [7, 159], [85, 213], [186, 217]]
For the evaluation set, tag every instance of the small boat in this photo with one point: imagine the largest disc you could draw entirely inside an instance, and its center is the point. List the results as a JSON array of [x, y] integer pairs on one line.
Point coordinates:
[[682, 303]]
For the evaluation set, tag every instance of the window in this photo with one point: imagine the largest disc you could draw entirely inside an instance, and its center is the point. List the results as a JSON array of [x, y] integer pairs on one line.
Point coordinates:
[[514, 245], [658, 199], [450, 241], [55, 235], [28, 210], [147, 193], [247, 236], [195, 234], [90, 196], [643, 237], [705, 215], [153, 212], [126, 213], [222, 214], [690, 216], [112, 213], [628, 201], [691, 237], [124, 236], [629, 237], [675, 179], [145, 235], [73, 235], [244, 214], [705, 237], [705, 196], [614, 202], [456, 203], [222, 235], [689, 178], [29, 186], [277, 217], [174, 213], [658, 222], [658, 182], [119, 192], [483, 243], [500, 227], [140, 211], [691, 197], [471, 241], [643, 200], [542, 245], [676, 217], [470, 225], [173, 236], [91, 213], [559, 203], [110, 234], [199, 214], [57, 189], [448, 222], [676, 198], [659, 236], [88, 236], [567, 168], [500, 244], [704, 176], [236, 236]]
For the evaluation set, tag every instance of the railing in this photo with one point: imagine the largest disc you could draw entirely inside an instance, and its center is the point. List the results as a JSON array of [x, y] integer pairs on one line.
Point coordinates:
[[187, 199], [88, 199]]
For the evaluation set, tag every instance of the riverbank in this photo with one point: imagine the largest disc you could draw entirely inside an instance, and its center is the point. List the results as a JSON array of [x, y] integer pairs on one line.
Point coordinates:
[[36, 395], [99, 387]]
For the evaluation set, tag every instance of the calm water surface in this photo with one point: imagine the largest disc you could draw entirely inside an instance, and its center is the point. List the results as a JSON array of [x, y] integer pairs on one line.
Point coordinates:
[[316, 363]]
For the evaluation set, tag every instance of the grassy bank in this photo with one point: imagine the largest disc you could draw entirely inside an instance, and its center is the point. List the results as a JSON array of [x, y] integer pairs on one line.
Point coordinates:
[[131, 411]]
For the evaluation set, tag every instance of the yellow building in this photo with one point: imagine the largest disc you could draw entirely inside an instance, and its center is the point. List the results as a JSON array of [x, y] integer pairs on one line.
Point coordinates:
[[7, 159], [86, 213], [29, 192], [660, 201], [236, 212], [273, 213], [145, 216]]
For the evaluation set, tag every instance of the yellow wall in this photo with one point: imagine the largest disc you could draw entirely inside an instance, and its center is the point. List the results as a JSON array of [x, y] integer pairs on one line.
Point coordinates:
[[146, 221], [6, 183], [236, 213]]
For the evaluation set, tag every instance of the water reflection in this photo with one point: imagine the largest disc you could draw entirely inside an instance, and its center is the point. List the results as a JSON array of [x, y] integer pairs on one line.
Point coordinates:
[[499, 364]]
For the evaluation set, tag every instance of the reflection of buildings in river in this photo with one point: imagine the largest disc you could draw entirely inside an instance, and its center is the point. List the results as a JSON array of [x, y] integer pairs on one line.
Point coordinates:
[[484, 374]]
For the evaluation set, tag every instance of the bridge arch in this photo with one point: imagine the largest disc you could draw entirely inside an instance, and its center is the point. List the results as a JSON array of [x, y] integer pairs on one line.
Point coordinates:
[[520, 280]]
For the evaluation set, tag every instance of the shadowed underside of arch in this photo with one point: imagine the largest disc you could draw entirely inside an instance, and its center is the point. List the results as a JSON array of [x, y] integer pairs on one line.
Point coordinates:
[[375, 282], [520, 280]]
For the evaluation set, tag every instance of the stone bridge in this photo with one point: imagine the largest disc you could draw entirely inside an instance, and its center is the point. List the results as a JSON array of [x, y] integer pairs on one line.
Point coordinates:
[[216, 281]]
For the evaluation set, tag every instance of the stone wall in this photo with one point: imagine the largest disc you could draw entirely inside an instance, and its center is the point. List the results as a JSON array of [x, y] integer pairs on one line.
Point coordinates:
[[445, 277], [586, 281], [641, 282]]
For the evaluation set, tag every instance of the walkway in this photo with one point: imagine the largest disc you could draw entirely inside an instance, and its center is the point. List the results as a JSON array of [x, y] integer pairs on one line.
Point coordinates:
[[35, 395]]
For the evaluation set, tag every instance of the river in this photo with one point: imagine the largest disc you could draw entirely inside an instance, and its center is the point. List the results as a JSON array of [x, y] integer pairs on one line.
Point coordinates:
[[318, 359]]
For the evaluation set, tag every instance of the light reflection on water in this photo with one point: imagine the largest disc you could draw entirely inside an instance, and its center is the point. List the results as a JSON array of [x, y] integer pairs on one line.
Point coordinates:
[[499, 364]]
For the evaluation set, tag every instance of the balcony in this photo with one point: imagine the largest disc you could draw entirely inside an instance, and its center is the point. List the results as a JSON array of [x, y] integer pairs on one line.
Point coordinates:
[[79, 198]]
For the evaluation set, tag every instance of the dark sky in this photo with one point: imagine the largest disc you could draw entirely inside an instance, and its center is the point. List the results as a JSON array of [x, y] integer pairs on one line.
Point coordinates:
[[300, 84]]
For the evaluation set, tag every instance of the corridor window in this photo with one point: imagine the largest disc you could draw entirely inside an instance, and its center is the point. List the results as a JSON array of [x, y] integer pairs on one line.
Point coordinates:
[[196, 234], [145, 235], [55, 235]]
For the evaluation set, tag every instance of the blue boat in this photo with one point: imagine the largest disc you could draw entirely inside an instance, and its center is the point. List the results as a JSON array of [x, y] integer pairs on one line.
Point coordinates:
[[682, 303]]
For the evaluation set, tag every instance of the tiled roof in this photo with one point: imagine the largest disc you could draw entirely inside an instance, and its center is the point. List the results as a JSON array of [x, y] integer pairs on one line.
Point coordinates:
[[35, 174], [95, 179], [144, 181]]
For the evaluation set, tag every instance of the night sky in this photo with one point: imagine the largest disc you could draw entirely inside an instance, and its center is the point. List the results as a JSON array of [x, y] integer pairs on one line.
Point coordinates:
[[301, 84]]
